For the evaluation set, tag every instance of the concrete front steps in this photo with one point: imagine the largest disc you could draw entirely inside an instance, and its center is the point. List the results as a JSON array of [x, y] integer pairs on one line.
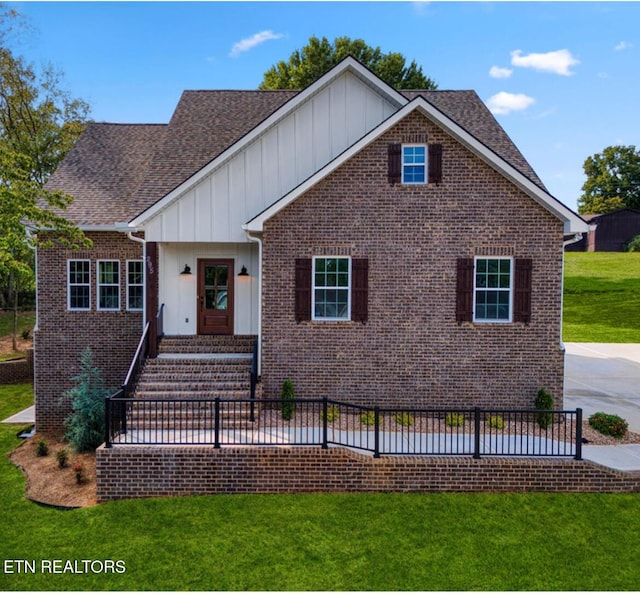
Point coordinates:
[[195, 368]]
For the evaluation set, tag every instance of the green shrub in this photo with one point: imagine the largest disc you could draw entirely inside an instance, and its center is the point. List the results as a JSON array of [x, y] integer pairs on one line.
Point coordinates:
[[62, 456], [634, 244], [42, 449], [332, 414], [25, 334], [609, 424], [85, 425], [368, 418], [78, 469], [288, 394], [496, 422], [543, 402], [454, 420], [404, 419]]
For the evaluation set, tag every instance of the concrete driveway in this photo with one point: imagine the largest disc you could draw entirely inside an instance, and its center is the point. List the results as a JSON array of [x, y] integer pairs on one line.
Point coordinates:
[[604, 378]]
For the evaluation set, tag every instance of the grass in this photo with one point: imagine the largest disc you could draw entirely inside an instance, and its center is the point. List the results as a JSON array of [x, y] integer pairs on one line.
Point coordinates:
[[427, 541], [26, 321], [602, 297]]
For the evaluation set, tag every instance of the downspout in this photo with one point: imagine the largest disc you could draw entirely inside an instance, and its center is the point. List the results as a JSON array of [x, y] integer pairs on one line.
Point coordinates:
[[132, 237], [258, 240], [577, 237]]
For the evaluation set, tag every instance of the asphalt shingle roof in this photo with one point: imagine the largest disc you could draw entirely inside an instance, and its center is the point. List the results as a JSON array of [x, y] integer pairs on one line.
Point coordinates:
[[115, 171]]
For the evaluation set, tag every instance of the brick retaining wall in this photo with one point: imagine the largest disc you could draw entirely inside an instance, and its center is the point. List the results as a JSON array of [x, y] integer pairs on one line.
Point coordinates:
[[20, 370], [155, 471]]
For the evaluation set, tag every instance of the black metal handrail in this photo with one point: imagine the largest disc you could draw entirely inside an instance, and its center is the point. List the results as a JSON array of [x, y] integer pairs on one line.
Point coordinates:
[[141, 354], [322, 422], [253, 380]]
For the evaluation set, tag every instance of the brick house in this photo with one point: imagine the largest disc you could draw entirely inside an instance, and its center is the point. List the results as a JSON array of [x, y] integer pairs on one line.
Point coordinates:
[[383, 246]]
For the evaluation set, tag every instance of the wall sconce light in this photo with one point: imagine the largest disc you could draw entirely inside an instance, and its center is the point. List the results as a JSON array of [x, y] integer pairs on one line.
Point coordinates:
[[187, 270], [243, 272]]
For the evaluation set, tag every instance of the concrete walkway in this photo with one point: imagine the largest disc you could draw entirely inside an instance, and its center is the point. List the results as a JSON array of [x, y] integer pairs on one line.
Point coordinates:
[[24, 417]]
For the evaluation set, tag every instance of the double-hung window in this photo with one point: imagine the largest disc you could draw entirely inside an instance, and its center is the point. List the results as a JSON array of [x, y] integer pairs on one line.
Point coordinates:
[[109, 285], [78, 285], [135, 284], [414, 163], [331, 288], [493, 287]]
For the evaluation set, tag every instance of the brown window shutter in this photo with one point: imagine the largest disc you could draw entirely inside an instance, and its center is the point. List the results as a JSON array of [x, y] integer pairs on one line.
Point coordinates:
[[303, 289], [395, 163], [522, 291], [464, 290], [359, 290], [435, 163]]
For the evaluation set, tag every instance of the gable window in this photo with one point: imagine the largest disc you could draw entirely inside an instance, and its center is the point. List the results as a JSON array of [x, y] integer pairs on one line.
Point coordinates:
[[78, 285], [492, 290], [331, 288], [135, 285], [109, 285], [414, 164]]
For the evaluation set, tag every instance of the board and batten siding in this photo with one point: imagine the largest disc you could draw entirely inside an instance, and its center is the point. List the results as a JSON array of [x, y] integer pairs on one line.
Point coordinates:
[[286, 154]]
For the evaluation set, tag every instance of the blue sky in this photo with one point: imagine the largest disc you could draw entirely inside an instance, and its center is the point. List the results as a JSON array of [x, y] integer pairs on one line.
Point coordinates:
[[561, 77]]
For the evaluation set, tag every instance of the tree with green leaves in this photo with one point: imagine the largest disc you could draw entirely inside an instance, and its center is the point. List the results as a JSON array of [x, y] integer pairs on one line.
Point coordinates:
[[39, 123], [317, 57], [613, 181]]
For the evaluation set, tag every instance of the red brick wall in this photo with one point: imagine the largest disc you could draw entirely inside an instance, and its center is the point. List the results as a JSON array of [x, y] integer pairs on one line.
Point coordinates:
[[411, 350], [157, 471], [61, 335]]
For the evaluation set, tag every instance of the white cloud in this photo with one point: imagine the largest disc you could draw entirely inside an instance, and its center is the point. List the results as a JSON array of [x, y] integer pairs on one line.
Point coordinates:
[[420, 7], [558, 62], [623, 45], [250, 42], [498, 72], [503, 103]]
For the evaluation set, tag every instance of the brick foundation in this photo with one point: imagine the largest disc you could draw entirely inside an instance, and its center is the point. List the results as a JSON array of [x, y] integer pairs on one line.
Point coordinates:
[[152, 471]]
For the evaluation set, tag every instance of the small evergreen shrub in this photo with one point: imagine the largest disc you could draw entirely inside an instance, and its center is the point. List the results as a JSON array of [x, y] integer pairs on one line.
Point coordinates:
[[25, 334], [609, 424], [288, 394], [62, 456], [404, 419], [85, 425], [454, 420], [543, 402], [42, 449], [332, 414], [634, 244], [368, 418], [496, 422]]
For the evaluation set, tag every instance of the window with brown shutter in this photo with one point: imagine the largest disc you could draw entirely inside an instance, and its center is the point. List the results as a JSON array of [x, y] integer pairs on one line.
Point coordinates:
[[303, 289], [359, 290], [522, 291], [464, 290], [395, 163], [435, 163]]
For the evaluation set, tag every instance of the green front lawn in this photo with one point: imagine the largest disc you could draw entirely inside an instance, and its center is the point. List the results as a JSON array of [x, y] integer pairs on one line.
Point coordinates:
[[430, 541], [601, 297]]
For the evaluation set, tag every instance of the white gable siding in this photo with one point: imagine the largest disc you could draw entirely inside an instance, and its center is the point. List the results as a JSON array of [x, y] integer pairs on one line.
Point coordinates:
[[275, 163]]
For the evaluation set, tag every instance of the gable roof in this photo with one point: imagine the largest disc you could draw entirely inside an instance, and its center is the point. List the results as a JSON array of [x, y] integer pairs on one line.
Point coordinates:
[[128, 172], [573, 222]]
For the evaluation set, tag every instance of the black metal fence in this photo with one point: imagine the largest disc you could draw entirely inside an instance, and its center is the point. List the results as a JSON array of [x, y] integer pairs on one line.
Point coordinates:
[[321, 422]]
